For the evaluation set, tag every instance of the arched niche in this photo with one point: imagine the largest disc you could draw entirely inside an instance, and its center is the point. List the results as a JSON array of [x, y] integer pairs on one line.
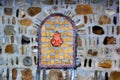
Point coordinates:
[[56, 42]]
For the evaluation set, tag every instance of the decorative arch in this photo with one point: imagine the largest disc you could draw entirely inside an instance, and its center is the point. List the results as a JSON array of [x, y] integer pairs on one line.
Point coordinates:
[[56, 42]]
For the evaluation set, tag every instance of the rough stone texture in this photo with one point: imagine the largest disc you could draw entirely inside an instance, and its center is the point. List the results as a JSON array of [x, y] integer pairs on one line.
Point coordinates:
[[32, 11], [97, 30], [9, 30], [104, 20], [26, 74], [25, 40], [55, 75], [8, 11], [83, 9]]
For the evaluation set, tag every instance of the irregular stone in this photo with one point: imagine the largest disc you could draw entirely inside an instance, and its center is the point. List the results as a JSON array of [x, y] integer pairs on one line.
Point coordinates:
[[14, 73], [80, 26], [115, 75], [26, 74], [79, 41], [26, 22], [1, 4], [118, 9], [67, 77], [23, 13], [104, 20], [115, 20], [3, 20], [34, 49], [118, 30], [17, 60], [105, 64], [25, 40], [69, 2], [8, 11], [109, 40], [9, 30], [55, 75], [92, 52], [85, 19], [48, 2], [12, 39], [17, 13], [22, 50], [95, 16], [13, 20], [9, 49], [32, 11], [109, 12], [97, 30], [83, 9], [0, 50], [27, 61]]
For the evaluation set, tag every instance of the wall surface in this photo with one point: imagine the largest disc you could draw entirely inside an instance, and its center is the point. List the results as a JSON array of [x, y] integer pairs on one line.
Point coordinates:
[[91, 43]]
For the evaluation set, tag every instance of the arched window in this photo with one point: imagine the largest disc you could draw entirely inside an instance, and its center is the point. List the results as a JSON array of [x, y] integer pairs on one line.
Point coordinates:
[[56, 41]]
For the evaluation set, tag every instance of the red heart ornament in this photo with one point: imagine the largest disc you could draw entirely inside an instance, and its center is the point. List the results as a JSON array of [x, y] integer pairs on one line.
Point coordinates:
[[56, 40]]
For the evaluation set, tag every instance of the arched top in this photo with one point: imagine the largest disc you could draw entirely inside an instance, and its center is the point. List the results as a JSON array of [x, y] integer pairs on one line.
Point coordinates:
[[60, 15]]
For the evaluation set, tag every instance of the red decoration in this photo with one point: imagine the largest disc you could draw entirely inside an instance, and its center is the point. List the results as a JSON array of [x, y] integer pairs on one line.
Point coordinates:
[[57, 40]]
